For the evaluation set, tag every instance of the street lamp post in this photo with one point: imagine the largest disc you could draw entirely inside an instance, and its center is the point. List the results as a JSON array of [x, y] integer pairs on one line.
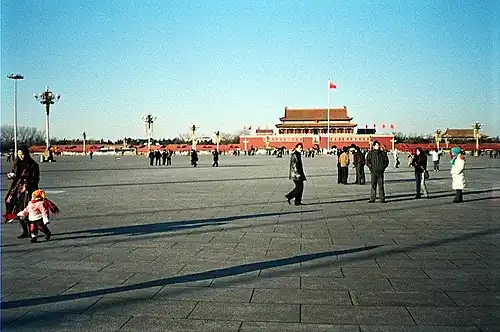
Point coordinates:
[[217, 139], [84, 138], [47, 98], [15, 77], [438, 136], [149, 119], [477, 134], [192, 131]]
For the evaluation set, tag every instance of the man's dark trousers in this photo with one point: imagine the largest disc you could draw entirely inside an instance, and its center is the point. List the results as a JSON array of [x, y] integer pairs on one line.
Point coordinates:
[[360, 174], [377, 179], [297, 191]]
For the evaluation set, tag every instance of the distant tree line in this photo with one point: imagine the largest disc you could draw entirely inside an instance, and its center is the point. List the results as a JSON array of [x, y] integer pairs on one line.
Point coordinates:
[[34, 136]]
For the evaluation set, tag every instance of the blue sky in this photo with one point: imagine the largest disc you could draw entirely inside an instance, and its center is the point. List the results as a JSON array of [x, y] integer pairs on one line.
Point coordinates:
[[221, 65]]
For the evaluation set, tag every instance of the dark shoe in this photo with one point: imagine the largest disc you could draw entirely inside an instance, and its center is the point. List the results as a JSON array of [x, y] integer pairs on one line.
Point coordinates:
[[288, 200], [418, 197], [371, 201], [23, 236], [47, 236], [34, 240], [298, 203], [383, 201]]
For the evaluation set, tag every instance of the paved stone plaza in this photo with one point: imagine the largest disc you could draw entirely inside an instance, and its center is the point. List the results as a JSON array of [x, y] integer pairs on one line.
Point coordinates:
[[140, 248]]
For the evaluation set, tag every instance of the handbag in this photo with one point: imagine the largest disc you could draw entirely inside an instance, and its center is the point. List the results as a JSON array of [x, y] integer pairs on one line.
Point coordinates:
[[426, 175]]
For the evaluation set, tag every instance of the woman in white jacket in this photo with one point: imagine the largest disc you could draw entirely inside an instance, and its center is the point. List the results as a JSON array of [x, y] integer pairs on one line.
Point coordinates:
[[457, 173]]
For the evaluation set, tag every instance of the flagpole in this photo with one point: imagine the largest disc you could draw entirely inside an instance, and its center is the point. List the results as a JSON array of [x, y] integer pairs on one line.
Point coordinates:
[[328, 121]]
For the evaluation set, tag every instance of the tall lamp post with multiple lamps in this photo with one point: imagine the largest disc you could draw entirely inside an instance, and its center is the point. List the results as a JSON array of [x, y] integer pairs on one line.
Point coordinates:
[[477, 135], [192, 133], [149, 119], [47, 98], [84, 141], [217, 139], [15, 77], [437, 137]]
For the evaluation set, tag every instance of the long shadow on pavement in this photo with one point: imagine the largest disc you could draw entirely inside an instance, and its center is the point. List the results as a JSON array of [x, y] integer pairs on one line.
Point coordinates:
[[426, 203], [246, 268], [410, 197], [169, 226], [153, 211], [218, 273]]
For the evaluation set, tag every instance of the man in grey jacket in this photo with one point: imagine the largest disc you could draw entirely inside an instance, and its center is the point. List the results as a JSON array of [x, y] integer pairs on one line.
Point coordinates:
[[377, 161]]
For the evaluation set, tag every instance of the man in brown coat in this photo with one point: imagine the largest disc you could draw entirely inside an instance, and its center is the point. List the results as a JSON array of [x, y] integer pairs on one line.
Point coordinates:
[[344, 165]]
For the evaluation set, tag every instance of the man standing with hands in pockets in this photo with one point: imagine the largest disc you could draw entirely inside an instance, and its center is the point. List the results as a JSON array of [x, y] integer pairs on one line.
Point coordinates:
[[377, 161]]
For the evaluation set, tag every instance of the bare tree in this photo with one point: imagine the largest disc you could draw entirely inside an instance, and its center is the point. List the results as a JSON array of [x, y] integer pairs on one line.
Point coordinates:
[[183, 138], [7, 137], [25, 135]]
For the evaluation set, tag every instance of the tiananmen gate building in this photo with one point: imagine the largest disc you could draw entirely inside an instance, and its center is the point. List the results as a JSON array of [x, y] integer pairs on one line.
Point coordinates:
[[310, 127]]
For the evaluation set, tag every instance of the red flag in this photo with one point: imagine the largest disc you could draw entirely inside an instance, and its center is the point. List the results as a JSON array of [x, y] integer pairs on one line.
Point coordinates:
[[366, 126], [383, 126], [331, 85], [392, 126]]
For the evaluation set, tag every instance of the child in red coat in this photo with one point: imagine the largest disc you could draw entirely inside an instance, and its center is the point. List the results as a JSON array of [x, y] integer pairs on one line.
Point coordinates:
[[38, 212]]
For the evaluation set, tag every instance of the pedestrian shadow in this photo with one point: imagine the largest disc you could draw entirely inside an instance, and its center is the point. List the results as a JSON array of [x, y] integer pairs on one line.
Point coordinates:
[[413, 179], [426, 204], [217, 273], [167, 226], [451, 194], [246, 268]]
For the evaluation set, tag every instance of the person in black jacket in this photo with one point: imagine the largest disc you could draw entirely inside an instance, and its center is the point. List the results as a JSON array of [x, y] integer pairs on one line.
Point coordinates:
[[26, 176], [194, 158], [164, 157], [359, 164], [419, 162], [215, 155], [151, 156], [296, 173], [377, 161]]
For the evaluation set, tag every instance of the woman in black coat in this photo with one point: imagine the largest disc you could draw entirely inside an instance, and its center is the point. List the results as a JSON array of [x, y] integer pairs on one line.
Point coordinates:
[[25, 175], [296, 173]]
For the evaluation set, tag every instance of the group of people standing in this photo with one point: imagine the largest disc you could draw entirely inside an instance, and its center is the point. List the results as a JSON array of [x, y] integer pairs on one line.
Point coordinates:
[[377, 162], [160, 157]]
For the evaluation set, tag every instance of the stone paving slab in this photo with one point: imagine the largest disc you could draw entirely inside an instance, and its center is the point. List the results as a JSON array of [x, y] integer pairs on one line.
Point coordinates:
[[218, 249]]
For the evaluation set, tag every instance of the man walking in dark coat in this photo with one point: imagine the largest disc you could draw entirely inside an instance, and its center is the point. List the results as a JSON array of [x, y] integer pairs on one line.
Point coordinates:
[[215, 155], [151, 156], [169, 157], [377, 161], [194, 158], [296, 173], [157, 158], [164, 157]]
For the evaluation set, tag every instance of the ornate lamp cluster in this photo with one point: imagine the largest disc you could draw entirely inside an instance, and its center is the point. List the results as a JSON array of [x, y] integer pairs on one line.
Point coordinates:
[[149, 120], [47, 98]]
